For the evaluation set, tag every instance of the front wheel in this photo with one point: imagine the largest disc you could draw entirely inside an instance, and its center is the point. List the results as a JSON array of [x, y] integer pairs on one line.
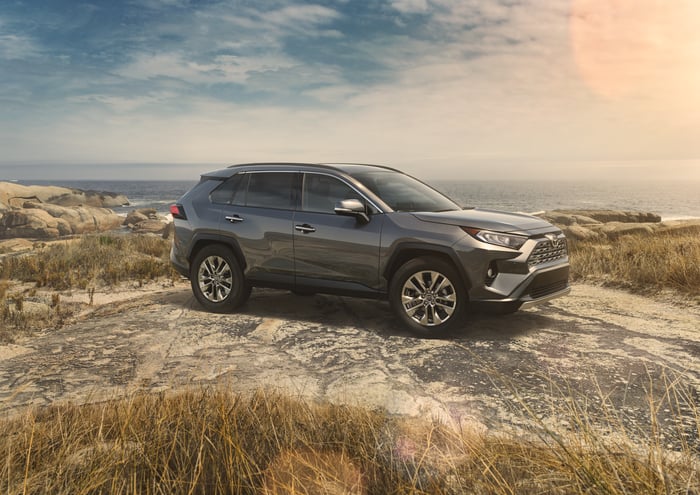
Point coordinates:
[[428, 297], [217, 279]]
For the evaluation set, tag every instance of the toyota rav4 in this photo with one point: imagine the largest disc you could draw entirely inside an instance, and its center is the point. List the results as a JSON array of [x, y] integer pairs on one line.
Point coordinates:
[[361, 230]]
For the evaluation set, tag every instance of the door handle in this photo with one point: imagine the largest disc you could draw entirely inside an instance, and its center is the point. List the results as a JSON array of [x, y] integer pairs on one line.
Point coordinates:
[[306, 228], [234, 219]]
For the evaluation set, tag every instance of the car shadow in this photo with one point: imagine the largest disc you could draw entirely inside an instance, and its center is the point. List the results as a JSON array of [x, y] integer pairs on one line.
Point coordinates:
[[375, 316]]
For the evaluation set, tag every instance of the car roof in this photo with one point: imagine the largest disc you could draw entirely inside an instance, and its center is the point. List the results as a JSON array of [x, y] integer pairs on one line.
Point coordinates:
[[347, 168]]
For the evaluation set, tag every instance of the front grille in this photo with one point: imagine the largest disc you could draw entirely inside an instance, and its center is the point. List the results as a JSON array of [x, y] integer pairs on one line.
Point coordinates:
[[548, 250], [546, 290]]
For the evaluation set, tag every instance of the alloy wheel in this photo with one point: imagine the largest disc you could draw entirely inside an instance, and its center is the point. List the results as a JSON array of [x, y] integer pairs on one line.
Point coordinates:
[[215, 278], [429, 298]]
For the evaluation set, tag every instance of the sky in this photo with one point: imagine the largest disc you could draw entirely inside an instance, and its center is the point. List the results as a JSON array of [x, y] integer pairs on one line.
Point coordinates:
[[463, 89]]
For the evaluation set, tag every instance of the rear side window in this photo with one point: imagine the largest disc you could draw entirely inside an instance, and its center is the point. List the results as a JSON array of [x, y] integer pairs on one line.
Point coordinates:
[[231, 192], [271, 190]]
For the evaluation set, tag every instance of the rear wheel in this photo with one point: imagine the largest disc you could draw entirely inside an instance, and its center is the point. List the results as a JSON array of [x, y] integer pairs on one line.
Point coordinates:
[[428, 296], [217, 279]]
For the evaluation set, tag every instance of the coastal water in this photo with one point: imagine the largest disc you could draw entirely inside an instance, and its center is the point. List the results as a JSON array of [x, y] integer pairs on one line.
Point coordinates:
[[672, 199]]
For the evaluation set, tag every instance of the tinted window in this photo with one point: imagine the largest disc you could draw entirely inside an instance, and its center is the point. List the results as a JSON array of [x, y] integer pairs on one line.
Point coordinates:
[[404, 193], [271, 190], [232, 191], [321, 192]]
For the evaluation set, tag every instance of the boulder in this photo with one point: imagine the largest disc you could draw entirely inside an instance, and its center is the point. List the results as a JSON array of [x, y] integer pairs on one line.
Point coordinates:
[[13, 195], [15, 245], [149, 227], [98, 199], [134, 218], [47, 221], [613, 230], [47, 212], [562, 218], [141, 215], [147, 220], [579, 233], [32, 222]]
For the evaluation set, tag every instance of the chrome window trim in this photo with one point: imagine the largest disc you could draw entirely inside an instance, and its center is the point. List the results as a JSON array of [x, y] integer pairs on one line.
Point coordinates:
[[319, 172]]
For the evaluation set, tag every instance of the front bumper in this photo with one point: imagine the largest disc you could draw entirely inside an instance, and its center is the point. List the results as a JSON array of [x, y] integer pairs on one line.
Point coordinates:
[[539, 287], [534, 302]]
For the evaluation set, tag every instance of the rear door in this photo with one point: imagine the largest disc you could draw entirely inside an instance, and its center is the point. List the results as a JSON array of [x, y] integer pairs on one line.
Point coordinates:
[[257, 214], [333, 251]]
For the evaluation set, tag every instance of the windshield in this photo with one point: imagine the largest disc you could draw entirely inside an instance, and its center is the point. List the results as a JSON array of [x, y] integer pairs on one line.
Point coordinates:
[[404, 193]]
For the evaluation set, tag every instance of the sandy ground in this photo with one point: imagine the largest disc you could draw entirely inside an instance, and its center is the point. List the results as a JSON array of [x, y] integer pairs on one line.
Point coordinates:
[[594, 349]]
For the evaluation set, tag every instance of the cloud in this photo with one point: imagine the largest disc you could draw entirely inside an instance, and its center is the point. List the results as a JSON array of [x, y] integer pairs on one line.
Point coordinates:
[[398, 81], [410, 6], [221, 69], [15, 46]]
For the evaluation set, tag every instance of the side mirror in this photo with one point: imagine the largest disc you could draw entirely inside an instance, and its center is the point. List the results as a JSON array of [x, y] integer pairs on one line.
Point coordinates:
[[352, 208]]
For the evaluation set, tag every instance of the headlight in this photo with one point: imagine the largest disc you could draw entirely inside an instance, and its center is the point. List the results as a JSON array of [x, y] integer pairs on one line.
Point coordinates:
[[511, 241]]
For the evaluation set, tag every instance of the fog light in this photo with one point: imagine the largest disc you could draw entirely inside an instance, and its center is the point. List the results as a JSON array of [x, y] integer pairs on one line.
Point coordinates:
[[491, 273]]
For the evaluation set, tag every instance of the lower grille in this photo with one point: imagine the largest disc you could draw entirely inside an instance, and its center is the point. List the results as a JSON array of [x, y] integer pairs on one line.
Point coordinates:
[[546, 290]]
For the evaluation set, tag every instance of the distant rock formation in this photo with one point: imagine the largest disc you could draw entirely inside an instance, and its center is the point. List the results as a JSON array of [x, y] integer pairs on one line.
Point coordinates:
[[584, 225], [47, 212], [147, 220], [570, 217], [12, 194]]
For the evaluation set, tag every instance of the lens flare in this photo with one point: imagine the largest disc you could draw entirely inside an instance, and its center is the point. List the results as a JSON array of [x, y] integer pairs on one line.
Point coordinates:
[[624, 47]]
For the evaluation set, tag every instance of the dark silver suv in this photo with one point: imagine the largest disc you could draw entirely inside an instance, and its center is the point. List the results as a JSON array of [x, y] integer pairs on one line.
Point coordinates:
[[361, 230]]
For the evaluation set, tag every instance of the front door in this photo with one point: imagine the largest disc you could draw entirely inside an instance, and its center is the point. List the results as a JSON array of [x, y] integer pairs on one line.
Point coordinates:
[[330, 250]]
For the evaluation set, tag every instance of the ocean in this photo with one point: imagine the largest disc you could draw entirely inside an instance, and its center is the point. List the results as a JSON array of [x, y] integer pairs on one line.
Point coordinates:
[[670, 199]]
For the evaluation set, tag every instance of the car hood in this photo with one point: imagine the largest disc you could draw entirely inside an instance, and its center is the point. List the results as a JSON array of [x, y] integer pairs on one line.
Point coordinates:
[[499, 221]]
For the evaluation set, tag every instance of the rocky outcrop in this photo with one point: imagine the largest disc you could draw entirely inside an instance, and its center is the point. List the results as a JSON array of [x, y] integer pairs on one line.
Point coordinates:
[[570, 217], [48, 212], [147, 220], [47, 221], [14, 195], [582, 225], [15, 245]]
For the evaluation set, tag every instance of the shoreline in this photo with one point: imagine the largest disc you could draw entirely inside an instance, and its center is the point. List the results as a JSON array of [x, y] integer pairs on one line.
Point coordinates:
[[672, 200]]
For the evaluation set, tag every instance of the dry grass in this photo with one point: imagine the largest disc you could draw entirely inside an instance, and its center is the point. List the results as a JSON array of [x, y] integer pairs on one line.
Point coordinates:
[[642, 263], [211, 441], [91, 260], [86, 263]]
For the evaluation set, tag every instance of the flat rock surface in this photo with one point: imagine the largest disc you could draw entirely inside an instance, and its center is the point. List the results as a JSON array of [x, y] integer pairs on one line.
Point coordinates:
[[594, 348]]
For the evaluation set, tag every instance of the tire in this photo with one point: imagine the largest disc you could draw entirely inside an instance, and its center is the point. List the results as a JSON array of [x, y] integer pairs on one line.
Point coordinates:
[[217, 279], [428, 296]]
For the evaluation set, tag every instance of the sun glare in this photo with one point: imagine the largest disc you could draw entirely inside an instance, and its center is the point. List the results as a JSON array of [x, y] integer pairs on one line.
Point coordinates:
[[624, 47]]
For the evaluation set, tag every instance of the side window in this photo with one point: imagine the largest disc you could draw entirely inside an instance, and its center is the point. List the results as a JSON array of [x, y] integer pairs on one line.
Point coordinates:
[[271, 190], [320, 193], [231, 192]]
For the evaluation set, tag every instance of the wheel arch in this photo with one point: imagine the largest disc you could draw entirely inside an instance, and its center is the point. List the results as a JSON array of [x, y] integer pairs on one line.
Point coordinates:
[[207, 240], [408, 251]]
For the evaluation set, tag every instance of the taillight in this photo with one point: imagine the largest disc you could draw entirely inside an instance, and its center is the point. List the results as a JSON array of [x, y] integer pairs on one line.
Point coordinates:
[[177, 211]]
